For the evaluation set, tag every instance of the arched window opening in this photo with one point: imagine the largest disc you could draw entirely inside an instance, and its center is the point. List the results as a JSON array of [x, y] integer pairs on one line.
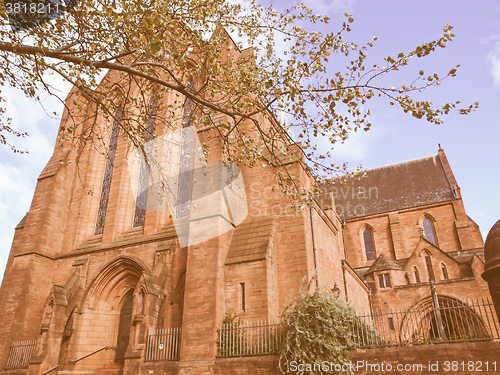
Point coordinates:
[[145, 169], [369, 246], [186, 156], [417, 275], [429, 231], [445, 271], [108, 174]]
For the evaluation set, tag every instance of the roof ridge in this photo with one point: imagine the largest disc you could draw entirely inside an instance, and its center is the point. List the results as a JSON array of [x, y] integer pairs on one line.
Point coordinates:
[[395, 164]]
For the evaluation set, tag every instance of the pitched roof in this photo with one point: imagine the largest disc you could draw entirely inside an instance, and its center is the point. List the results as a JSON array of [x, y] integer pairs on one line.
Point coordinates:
[[383, 264], [466, 256], [250, 241], [393, 187]]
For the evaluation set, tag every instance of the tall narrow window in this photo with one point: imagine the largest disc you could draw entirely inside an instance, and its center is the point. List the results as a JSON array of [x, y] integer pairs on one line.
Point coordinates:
[[429, 231], [428, 264], [185, 162], [387, 280], [108, 174], [384, 280], [144, 172], [417, 275], [381, 283], [242, 291], [445, 271], [369, 246]]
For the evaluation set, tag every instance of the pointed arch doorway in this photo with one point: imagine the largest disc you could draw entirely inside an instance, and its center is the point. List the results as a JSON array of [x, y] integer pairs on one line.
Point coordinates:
[[123, 336], [106, 318]]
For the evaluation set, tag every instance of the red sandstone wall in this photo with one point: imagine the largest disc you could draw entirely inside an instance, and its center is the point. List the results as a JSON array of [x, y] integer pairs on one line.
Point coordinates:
[[400, 243], [357, 292], [441, 357], [329, 252], [404, 297], [478, 353]]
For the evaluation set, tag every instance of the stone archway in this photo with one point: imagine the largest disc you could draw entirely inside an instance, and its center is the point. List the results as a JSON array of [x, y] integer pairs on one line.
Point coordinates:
[[105, 318]]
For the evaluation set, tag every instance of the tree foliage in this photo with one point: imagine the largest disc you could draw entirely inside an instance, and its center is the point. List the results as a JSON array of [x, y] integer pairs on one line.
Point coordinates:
[[277, 62], [320, 329]]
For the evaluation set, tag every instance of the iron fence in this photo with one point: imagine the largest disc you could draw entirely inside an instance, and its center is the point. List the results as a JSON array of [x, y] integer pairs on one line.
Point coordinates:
[[20, 354], [260, 337], [163, 344], [446, 321], [429, 322]]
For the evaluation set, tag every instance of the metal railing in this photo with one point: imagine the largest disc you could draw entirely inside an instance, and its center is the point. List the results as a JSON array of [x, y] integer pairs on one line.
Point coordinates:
[[107, 347], [429, 323], [51, 369], [426, 323], [239, 339], [20, 354], [163, 344]]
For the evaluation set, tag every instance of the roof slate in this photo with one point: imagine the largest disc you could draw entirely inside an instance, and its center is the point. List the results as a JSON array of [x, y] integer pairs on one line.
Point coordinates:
[[383, 264], [250, 240], [392, 188]]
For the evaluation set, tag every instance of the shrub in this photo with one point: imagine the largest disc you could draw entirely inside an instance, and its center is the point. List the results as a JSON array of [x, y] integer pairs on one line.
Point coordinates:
[[320, 328]]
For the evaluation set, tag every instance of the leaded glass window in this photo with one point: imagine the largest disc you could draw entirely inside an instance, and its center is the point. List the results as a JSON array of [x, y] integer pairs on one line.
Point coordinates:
[[185, 162], [144, 172], [369, 246], [108, 174], [429, 231]]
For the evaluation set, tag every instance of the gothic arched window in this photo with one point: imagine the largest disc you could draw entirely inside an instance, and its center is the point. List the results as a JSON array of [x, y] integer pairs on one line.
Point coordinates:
[[369, 245], [429, 232], [445, 271], [108, 173], [417, 275], [145, 170], [186, 156]]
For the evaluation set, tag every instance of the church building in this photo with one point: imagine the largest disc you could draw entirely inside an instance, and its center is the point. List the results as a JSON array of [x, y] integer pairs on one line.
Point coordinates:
[[92, 280], [405, 225]]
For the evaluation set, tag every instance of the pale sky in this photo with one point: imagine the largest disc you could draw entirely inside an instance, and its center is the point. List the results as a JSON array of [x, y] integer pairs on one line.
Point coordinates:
[[472, 143]]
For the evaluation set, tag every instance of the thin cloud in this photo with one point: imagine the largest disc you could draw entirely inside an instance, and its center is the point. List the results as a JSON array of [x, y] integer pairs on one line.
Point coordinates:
[[494, 60], [358, 146], [332, 6]]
